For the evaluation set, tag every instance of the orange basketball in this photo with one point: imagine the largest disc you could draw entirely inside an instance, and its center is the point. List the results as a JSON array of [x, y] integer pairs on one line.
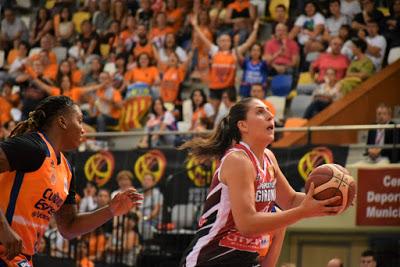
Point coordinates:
[[332, 180]]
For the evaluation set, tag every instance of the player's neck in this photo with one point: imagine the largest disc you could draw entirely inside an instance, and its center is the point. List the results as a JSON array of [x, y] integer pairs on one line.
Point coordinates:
[[257, 149]]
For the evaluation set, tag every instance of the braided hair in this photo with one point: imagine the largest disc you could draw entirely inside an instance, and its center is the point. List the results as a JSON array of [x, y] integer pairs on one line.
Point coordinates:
[[43, 115]]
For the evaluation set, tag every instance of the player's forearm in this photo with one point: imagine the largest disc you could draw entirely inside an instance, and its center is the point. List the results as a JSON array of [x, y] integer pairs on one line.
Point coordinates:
[[71, 224], [297, 199]]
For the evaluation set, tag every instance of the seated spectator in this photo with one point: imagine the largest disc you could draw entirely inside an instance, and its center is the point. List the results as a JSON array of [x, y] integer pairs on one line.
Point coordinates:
[[378, 155], [101, 19], [254, 70], [12, 28], [360, 69], [335, 21], [159, 30], [64, 27], [175, 15], [112, 39], [88, 201], [369, 12], [93, 75], [308, 29], [281, 53], [128, 34], [376, 44], [46, 45], [392, 32], [345, 35], [228, 100], [76, 73], [17, 58], [241, 14], [324, 95], [88, 40], [142, 45], [350, 8], [144, 13], [119, 12], [325, 61], [124, 180], [203, 112], [282, 17], [224, 60], [368, 259], [170, 46], [258, 91], [41, 26], [108, 104], [162, 120]]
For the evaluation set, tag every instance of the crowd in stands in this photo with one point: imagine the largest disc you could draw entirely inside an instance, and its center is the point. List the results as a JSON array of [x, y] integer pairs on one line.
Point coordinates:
[[167, 65]]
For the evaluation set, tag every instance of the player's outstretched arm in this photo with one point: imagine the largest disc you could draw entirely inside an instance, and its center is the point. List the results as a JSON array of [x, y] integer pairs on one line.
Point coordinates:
[[72, 224]]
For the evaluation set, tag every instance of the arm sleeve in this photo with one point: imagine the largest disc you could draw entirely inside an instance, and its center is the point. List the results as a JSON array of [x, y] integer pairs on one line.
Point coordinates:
[[25, 153]]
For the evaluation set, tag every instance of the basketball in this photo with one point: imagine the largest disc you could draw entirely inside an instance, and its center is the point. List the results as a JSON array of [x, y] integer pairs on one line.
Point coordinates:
[[332, 180]]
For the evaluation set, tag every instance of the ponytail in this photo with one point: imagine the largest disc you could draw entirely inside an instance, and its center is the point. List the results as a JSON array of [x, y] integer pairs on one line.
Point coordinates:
[[226, 133], [43, 115]]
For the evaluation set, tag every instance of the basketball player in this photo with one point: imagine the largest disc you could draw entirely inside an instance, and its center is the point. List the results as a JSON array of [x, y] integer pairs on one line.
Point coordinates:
[[237, 226], [36, 182]]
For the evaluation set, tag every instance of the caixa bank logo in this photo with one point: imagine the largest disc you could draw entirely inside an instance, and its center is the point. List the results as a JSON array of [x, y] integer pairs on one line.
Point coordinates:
[[314, 158]]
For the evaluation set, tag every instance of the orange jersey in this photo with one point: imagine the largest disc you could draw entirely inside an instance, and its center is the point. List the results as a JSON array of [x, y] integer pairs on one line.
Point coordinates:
[[5, 110], [146, 75], [175, 15], [29, 199], [148, 49], [115, 96], [157, 32], [223, 70], [172, 79]]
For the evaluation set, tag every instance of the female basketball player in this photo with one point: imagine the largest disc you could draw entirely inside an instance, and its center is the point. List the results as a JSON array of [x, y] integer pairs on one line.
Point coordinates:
[[36, 182], [237, 227]]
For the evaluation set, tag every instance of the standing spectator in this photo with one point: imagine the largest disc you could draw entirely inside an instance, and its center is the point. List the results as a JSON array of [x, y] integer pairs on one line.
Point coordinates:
[[378, 155], [281, 53], [12, 28], [40, 27], [360, 69], [309, 28], [160, 29], [64, 28], [102, 19], [324, 95], [376, 44], [172, 80], [335, 21], [369, 12], [368, 259], [350, 8], [224, 60], [175, 15], [254, 70]]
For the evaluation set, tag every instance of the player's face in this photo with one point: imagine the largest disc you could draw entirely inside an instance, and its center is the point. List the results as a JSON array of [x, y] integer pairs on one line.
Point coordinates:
[[367, 261], [74, 130], [259, 124]]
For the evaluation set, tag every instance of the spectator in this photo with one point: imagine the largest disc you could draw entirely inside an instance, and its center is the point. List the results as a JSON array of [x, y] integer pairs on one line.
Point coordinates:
[[333, 59], [170, 46], [376, 44], [228, 100], [46, 45], [378, 155], [142, 45], [335, 262], [324, 95], [360, 69], [254, 69], [88, 202], [12, 28], [64, 28], [223, 67], [40, 27], [151, 208], [335, 21], [281, 16], [89, 40], [350, 8], [128, 35], [241, 14], [159, 30], [392, 32], [258, 91], [173, 77], [345, 35], [368, 259], [203, 112], [309, 28], [102, 19], [144, 13], [160, 119], [175, 15], [124, 181], [96, 67], [281, 53], [369, 12], [119, 13], [17, 58]]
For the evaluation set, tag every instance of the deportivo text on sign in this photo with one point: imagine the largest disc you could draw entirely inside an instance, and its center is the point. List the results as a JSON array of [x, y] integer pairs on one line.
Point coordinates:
[[378, 197]]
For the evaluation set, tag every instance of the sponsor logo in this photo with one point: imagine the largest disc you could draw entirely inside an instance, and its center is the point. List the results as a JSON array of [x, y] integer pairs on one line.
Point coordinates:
[[99, 167], [314, 158], [200, 174], [153, 162]]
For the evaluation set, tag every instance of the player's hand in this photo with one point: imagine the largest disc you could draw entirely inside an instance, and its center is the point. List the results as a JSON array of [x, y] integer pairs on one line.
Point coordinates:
[[123, 202], [11, 242], [315, 208]]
